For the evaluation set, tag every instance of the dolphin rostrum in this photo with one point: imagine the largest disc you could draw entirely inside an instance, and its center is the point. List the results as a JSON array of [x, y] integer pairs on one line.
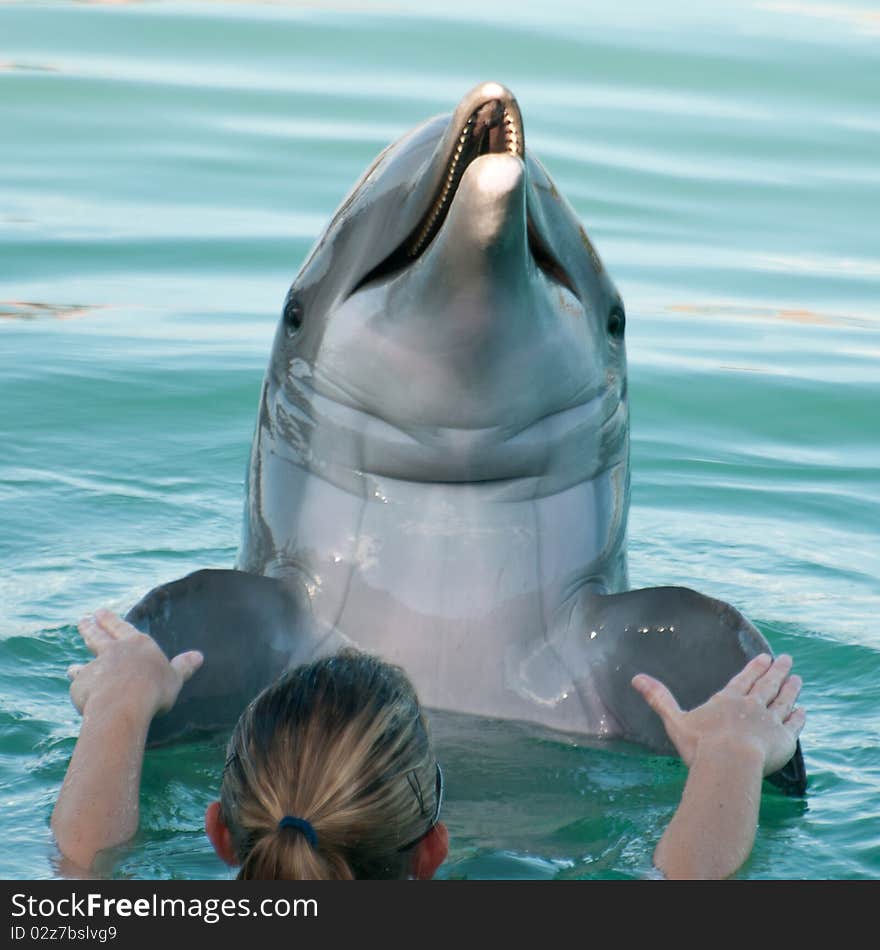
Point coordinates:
[[440, 468]]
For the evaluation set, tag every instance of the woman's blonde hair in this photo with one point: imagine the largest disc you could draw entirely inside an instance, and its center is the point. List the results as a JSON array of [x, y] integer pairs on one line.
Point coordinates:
[[342, 745]]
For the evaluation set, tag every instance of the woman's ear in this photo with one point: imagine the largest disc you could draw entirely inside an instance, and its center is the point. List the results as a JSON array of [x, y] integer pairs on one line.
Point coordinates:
[[430, 852], [219, 834]]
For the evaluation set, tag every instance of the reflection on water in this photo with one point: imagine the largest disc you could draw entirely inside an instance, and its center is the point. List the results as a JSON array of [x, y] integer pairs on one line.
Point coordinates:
[[737, 311], [30, 310], [32, 67], [867, 21]]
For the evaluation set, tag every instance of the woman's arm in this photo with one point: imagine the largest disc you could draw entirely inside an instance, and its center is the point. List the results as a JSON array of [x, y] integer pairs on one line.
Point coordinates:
[[745, 731], [118, 693]]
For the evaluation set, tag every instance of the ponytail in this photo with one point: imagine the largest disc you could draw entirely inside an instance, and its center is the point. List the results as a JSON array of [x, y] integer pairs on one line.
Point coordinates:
[[283, 856], [330, 774]]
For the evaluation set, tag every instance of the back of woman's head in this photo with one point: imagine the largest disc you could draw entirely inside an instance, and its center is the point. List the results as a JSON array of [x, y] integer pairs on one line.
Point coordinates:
[[342, 745]]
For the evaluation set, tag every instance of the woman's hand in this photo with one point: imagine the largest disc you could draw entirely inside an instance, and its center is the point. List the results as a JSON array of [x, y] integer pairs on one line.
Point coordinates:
[[755, 709], [743, 732], [118, 693], [129, 666]]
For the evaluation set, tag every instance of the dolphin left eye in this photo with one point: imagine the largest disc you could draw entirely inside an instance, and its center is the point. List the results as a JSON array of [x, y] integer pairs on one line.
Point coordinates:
[[617, 321], [293, 314]]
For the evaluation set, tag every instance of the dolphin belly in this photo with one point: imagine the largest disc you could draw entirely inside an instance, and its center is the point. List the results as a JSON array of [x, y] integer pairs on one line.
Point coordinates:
[[451, 581]]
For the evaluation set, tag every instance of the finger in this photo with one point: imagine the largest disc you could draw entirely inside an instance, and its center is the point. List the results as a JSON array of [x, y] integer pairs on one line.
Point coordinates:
[[767, 687], [796, 721], [74, 669], [114, 625], [748, 675], [94, 637], [784, 702], [78, 697], [187, 663], [657, 696]]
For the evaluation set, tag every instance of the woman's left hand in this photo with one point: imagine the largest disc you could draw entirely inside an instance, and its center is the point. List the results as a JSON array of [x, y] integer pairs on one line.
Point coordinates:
[[129, 667], [118, 693]]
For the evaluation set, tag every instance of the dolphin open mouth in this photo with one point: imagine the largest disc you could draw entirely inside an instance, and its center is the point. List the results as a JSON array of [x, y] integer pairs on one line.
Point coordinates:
[[494, 127]]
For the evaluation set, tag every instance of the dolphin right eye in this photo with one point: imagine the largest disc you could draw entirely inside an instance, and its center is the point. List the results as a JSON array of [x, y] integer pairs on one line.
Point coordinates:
[[293, 314]]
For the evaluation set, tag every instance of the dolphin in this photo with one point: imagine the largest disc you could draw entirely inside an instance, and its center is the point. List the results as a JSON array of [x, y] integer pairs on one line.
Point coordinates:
[[440, 467]]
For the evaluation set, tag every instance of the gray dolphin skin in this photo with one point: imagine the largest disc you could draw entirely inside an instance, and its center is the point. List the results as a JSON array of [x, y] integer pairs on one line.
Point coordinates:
[[440, 468]]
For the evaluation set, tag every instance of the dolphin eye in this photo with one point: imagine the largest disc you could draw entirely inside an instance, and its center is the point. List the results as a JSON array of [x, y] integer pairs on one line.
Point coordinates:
[[617, 321], [293, 315]]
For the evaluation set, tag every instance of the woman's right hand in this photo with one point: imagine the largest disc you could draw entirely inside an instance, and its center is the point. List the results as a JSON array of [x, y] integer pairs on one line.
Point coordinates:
[[755, 709], [129, 668], [746, 730]]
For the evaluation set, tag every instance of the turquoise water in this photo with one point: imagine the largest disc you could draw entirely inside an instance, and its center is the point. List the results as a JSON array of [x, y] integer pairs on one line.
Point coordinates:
[[164, 168]]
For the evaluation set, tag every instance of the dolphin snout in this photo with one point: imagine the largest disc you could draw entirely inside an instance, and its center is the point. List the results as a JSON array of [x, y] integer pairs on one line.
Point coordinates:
[[486, 122], [490, 212], [472, 196]]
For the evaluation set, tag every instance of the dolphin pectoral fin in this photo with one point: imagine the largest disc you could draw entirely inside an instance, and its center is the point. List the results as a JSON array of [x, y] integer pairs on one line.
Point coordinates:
[[692, 643], [249, 628]]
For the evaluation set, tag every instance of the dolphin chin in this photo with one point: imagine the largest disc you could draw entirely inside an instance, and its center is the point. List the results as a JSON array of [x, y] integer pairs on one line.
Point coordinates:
[[440, 466], [487, 216]]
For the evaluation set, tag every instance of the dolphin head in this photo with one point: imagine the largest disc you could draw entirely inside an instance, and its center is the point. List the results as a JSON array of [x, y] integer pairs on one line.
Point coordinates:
[[454, 322]]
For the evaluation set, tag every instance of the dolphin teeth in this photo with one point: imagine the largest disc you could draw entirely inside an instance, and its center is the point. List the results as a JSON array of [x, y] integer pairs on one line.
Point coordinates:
[[511, 133], [425, 232], [512, 145], [498, 131]]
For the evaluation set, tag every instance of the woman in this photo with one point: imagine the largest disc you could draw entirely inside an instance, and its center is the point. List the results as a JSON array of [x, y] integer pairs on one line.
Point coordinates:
[[331, 774]]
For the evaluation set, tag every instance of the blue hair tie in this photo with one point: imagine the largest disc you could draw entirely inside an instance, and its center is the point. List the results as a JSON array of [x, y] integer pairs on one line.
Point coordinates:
[[300, 824]]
